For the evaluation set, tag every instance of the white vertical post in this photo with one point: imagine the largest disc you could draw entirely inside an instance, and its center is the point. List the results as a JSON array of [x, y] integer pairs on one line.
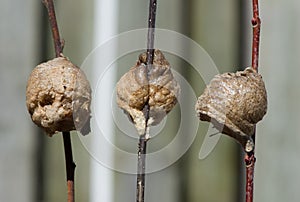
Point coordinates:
[[105, 26]]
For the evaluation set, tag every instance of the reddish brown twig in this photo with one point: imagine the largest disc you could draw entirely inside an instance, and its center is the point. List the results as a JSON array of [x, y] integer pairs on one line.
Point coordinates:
[[58, 45], [54, 28], [250, 157], [140, 187], [256, 34], [249, 161]]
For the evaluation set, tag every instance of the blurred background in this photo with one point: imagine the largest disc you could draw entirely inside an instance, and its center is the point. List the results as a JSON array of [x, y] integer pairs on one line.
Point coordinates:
[[32, 164]]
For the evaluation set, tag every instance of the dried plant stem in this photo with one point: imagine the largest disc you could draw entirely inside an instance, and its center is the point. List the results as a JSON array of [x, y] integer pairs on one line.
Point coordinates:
[[256, 22], [250, 156], [151, 31], [70, 165], [140, 187], [58, 45], [249, 161]]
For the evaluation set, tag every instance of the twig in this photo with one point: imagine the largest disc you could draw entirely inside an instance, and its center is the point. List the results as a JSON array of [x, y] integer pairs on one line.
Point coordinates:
[[70, 165], [140, 188], [256, 22], [249, 161], [58, 45], [151, 30], [250, 156]]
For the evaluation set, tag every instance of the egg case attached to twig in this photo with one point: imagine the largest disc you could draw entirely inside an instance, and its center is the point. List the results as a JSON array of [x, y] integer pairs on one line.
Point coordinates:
[[234, 103], [158, 88], [58, 97]]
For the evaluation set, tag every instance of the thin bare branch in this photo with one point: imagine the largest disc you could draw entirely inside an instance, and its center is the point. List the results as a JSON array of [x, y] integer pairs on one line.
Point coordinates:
[[256, 23], [140, 190], [250, 156], [58, 45]]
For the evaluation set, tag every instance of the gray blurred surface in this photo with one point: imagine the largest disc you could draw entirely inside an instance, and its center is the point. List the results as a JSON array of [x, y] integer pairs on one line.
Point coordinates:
[[278, 142], [18, 41]]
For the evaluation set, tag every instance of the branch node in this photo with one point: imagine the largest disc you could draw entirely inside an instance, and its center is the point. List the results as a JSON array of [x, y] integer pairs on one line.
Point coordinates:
[[255, 22], [250, 159]]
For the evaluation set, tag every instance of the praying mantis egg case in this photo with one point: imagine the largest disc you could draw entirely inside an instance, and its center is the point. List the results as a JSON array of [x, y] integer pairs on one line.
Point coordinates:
[[58, 97], [234, 103], [159, 89]]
